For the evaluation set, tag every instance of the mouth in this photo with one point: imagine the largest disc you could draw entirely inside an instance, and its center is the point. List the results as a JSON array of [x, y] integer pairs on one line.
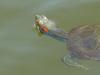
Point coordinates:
[[36, 28]]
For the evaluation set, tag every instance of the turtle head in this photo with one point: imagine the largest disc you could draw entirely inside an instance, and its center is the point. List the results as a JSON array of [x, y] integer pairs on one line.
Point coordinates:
[[42, 24]]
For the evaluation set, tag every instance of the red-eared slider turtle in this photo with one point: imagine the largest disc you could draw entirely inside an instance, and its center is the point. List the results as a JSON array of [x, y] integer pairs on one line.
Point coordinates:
[[83, 41]]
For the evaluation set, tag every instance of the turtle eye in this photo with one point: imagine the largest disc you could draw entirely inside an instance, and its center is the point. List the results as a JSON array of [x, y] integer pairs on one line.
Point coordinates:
[[37, 21]]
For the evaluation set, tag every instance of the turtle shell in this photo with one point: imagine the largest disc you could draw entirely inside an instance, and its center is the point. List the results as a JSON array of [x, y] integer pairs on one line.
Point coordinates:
[[85, 41]]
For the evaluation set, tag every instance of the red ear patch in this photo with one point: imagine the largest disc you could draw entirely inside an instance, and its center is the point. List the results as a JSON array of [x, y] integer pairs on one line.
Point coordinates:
[[44, 29]]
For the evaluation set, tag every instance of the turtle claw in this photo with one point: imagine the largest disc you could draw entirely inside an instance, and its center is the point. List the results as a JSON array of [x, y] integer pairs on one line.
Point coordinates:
[[69, 61]]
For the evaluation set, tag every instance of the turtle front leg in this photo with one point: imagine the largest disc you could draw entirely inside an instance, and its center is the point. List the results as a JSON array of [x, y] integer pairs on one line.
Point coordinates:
[[71, 61]]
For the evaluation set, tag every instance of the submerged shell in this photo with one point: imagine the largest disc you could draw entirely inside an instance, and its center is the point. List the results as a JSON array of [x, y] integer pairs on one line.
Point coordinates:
[[85, 41]]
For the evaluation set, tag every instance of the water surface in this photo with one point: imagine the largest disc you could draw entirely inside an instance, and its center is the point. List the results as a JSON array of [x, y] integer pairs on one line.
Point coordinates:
[[22, 52]]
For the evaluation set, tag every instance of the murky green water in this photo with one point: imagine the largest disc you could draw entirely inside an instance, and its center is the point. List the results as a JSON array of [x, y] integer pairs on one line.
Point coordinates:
[[22, 52]]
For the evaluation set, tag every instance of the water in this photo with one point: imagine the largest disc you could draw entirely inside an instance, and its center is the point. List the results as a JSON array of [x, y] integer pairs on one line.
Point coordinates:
[[22, 52]]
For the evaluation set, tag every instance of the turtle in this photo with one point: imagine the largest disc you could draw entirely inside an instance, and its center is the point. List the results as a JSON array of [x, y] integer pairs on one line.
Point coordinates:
[[83, 41]]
